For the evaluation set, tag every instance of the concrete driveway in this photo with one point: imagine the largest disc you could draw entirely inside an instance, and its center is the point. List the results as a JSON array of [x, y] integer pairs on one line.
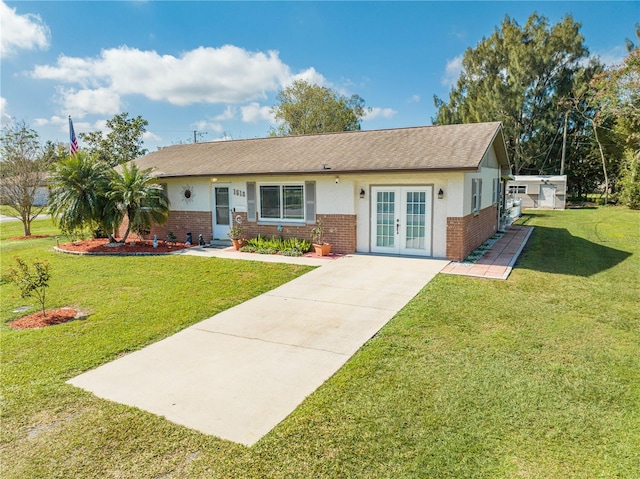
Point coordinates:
[[238, 374]]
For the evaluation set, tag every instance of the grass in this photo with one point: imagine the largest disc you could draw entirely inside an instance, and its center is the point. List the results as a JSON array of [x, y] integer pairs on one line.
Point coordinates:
[[534, 377]]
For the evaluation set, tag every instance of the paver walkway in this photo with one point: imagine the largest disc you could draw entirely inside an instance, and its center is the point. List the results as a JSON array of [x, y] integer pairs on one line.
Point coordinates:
[[498, 262], [238, 374]]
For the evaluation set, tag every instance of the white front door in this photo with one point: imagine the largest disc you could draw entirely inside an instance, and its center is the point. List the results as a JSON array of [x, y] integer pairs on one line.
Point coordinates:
[[221, 211], [401, 220], [547, 196]]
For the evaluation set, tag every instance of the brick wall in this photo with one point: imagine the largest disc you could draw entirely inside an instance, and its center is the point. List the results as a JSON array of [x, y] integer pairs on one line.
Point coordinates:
[[464, 234], [180, 223], [340, 231]]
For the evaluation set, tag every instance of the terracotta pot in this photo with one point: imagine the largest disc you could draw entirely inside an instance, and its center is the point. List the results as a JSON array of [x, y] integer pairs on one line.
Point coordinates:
[[322, 249], [239, 243]]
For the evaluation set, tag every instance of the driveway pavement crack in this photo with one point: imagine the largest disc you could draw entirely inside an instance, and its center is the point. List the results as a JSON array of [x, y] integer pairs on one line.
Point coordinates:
[[272, 342]]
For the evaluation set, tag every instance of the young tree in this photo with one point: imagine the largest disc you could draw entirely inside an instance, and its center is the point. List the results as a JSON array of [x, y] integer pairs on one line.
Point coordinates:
[[31, 282], [23, 173], [123, 142], [519, 76], [138, 198], [78, 199], [304, 108]]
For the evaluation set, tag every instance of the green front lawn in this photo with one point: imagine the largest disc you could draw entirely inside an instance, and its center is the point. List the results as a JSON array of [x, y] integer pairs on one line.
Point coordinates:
[[537, 376]]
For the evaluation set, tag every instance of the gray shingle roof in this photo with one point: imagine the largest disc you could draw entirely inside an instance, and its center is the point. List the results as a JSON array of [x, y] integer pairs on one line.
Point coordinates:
[[413, 149]]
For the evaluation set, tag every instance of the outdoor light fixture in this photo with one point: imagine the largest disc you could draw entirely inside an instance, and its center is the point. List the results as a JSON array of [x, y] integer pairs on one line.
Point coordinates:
[[440, 194], [361, 192], [337, 180]]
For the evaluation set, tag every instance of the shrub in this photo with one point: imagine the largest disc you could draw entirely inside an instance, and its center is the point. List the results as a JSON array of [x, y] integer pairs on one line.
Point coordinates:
[[275, 245]]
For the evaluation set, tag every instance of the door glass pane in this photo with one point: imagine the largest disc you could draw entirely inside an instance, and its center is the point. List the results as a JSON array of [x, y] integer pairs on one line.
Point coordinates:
[[293, 202], [416, 220], [270, 201], [222, 206], [385, 222]]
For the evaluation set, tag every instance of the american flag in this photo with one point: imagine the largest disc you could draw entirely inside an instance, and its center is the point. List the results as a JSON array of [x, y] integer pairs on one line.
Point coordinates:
[[73, 141]]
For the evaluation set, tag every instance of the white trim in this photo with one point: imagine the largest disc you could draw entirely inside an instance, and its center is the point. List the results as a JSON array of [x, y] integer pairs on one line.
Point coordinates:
[[219, 231], [399, 227], [282, 218]]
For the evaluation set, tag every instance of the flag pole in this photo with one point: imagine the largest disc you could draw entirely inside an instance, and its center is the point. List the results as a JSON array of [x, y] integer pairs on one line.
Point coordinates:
[[73, 141]]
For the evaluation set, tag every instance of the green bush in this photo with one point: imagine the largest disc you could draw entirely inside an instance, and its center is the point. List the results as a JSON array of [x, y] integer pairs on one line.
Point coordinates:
[[275, 245]]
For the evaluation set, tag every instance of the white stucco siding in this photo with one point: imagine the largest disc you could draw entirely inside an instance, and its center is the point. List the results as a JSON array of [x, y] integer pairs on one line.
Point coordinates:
[[200, 198], [331, 197], [343, 196], [490, 160], [488, 171], [452, 185], [335, 198]]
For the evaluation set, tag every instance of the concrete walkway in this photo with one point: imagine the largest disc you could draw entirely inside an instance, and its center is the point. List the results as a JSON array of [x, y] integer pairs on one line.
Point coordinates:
[[238, 374], [498, 262]]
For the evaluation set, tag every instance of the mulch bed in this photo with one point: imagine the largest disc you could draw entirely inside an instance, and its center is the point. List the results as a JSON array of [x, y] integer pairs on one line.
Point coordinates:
[[37, 320], [99, 246]]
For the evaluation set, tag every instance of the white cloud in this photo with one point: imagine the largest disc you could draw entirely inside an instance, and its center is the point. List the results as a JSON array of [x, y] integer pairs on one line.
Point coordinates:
[[228, 74], [224, 137], [452, 71], [310, 75], [63, 124], [253, 113], [414, 99], [228, 114], [78, 103], [205, 125], [5, 118], [376, 112], [148, 136], [21, 32]]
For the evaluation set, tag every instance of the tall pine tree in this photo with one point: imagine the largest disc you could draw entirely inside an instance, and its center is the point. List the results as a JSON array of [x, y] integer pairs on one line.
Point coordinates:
[[521, 76]]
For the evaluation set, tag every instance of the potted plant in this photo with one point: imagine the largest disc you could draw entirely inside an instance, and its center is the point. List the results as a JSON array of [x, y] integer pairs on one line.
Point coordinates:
[[317, 235], [236, 233]]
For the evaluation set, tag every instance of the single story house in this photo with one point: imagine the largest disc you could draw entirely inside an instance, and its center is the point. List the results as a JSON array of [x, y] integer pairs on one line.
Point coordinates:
[[539, 191], [430, 191]]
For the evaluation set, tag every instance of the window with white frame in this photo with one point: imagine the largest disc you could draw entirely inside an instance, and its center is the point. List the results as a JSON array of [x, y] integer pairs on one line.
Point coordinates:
[[281, 202], [476, 195], [496, 191], [517, 189]]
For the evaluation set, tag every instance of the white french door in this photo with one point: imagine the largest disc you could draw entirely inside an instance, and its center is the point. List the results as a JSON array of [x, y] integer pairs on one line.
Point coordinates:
[[221, 211], [401, 220]]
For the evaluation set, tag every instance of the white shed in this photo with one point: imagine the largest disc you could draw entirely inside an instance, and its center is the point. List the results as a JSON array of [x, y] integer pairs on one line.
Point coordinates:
[[539, 191]]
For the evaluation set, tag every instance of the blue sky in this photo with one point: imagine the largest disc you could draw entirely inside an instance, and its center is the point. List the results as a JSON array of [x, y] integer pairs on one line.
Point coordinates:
[[216, 67]]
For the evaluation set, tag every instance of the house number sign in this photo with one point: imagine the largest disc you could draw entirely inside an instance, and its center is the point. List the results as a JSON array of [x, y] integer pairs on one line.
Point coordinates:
[[241, 193]]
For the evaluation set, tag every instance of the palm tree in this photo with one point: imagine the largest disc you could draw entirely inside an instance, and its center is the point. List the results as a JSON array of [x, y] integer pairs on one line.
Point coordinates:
[[138, 198], [78, 199]]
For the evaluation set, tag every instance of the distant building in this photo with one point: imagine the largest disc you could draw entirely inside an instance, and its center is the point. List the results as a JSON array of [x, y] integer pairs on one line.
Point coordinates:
[[538, 191]]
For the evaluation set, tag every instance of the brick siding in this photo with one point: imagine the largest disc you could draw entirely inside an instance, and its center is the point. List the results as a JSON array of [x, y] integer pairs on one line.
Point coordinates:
[[180, 223], [340, 230], [464, 234]]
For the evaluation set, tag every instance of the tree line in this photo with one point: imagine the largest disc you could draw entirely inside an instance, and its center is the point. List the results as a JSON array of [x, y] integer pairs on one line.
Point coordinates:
[[86, 191], [562, 111]]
